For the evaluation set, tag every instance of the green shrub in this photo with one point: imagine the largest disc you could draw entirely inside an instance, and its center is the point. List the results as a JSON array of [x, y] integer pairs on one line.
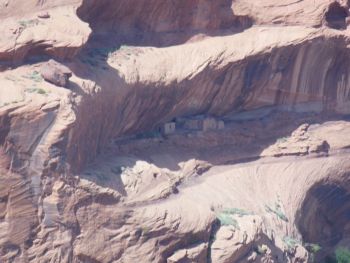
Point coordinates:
[[342, 255], [282, 139], [145, 230], [226, 216], [34, 76], [12, 102], [28, 23], [11, 78], [4, 104], [277, 211], [313, 248], [227, 220], [237, 211], [123, 47], [290, 242], [261, 250], [37, 90], [41, 91]]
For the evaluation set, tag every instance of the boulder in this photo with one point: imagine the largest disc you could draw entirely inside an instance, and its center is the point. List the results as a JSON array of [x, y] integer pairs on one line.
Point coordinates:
[[56, 73], [44, 15]]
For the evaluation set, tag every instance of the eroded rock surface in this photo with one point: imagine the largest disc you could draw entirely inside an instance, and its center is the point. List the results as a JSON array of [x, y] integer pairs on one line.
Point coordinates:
[[56, 73], [87, 176]]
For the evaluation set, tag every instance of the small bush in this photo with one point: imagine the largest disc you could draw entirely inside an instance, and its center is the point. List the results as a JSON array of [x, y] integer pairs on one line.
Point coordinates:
[[41, 91], [313, 248], [28, 23], [261, 250], [146, 230], [37, 90], [34, 76], [342, 255], [123, 47], [12, 102], [237, 211], [277, 211], [282, 140], [4, 104], [227, 220], [226, 216], [11, 78], [290, 242]]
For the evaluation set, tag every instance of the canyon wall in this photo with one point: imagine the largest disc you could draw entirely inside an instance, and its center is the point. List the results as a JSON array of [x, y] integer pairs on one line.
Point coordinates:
[[80, 180]]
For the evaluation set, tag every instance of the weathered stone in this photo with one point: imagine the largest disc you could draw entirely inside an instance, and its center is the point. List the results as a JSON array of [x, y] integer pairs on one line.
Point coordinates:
[[44, 15], [56, 73], [77, 183]]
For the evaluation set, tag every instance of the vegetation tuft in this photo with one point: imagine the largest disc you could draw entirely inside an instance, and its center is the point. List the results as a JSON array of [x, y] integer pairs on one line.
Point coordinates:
[[282, 140], [34, 76], [227, 220], [28, 23], [277, 210], [342, 255], [226, 216], [237, 211], [261, 250], [37, 90], [313, 248], [290, 242]]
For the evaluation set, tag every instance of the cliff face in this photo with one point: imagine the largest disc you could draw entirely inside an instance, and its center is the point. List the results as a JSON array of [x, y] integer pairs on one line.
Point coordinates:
[[85, 175], [160, 22], [218, 76]]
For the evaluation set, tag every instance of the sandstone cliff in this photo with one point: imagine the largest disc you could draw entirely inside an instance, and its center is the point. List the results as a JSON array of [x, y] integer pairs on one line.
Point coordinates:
[[86, 175]]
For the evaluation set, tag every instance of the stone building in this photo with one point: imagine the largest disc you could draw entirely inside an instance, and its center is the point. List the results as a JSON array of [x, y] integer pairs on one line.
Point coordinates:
[[167, 128], [201, 123]]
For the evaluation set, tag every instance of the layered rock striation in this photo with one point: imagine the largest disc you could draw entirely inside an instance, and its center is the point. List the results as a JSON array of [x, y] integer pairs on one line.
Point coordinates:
[[85, 175]]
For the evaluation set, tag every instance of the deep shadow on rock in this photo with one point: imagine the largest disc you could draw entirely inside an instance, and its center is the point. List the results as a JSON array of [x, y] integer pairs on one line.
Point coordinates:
[[325, 215], [336, 16]]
